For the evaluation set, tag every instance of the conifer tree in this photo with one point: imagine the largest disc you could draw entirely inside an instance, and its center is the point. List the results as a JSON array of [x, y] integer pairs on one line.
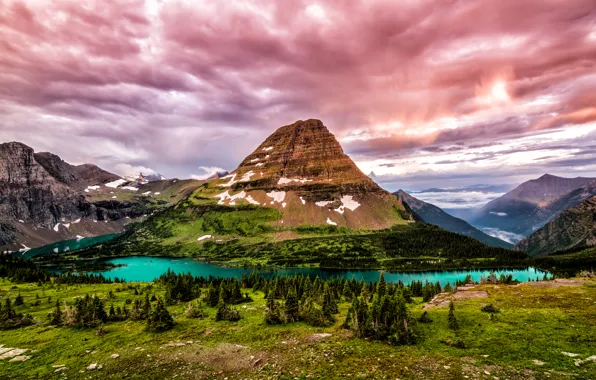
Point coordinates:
[[212, 295], [272, 312], [56, 316], [146, 309], [18, 301], [160, 318], [381, 286], [291, 307], [329, 305]]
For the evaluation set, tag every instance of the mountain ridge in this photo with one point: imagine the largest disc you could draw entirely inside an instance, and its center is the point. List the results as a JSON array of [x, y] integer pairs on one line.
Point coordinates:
[[573, 229], [529, 206], [432, 214]]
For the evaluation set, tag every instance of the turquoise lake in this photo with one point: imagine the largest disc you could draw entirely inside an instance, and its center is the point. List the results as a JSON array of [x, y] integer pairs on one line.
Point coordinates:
[[145, 269], [66, 245]]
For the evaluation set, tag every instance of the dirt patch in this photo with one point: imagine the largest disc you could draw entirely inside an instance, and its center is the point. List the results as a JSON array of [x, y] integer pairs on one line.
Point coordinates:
[[443, 299], [557, 283], [224, 356], [471, 294]]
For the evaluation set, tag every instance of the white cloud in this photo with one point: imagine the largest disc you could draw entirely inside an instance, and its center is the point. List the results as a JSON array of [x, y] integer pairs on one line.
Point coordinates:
[[126, 170], [457, 199], [206, 172], [509, 237], [499, 213]]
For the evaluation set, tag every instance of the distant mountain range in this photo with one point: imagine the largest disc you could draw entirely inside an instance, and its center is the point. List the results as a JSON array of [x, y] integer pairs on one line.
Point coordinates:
[[532, 204], [431, 214], [478, 188]]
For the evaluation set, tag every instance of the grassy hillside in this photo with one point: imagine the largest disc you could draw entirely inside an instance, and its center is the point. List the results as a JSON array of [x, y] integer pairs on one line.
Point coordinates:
[[536, 324], [243, 236]]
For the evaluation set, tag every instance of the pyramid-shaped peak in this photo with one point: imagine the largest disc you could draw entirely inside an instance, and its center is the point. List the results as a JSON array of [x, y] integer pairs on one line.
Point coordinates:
[[302, 154]]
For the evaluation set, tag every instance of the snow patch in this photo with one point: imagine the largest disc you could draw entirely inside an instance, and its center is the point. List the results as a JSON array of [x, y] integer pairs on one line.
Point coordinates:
[[223, 196], [347, 202], [146, 193], [96, 187], [283, 180], [266, 149], [260, 164], [67, 225], [226, 195], [232, 181], [24, 249], [205, 237], [255, 159], [114, 197], [56, 227], [331, 222], [129, 188], [323, 203], [115, 183], [250, 200], [156, 193], [284, 205], [277, 196], [246, 176], [77, 221], [21, 220], [302, 200], [79, 237]]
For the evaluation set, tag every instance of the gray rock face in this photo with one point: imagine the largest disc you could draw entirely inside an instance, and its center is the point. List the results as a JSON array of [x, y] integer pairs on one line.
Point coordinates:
[[29, 192], [39, 190]]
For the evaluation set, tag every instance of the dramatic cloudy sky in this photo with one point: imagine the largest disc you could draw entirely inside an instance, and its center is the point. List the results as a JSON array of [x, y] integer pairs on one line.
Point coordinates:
[[437, 93]]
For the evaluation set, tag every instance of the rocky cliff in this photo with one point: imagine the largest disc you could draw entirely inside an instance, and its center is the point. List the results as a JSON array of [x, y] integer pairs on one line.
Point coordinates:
[[29, 192], [44, 199], [573, 229]]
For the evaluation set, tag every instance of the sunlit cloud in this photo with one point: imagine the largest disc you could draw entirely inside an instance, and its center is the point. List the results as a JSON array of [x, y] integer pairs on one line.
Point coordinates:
[[416, 91]]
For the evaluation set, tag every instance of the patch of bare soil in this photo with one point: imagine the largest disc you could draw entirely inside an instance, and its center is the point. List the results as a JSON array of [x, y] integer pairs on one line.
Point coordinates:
[[557, 283], [462, 293], [224, 356]]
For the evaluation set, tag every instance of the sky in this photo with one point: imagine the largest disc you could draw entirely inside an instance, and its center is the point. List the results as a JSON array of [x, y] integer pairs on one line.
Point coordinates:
[[438, 93]]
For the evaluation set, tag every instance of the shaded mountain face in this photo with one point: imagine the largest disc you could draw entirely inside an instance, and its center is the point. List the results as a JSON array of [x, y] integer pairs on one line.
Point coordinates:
[[530, 205], [432, 214], [44, 199], [76, 176], [575, 228], [302, 171]]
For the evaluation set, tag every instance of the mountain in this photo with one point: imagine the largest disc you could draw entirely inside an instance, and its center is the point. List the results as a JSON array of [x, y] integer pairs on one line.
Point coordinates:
[[432, 214], [529, 206], [302, 171], [575, 228], [298, 183], [44, 199]]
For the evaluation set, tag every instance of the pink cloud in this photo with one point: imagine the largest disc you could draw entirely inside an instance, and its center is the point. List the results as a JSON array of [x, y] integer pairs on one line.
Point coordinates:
[[132, 71]]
